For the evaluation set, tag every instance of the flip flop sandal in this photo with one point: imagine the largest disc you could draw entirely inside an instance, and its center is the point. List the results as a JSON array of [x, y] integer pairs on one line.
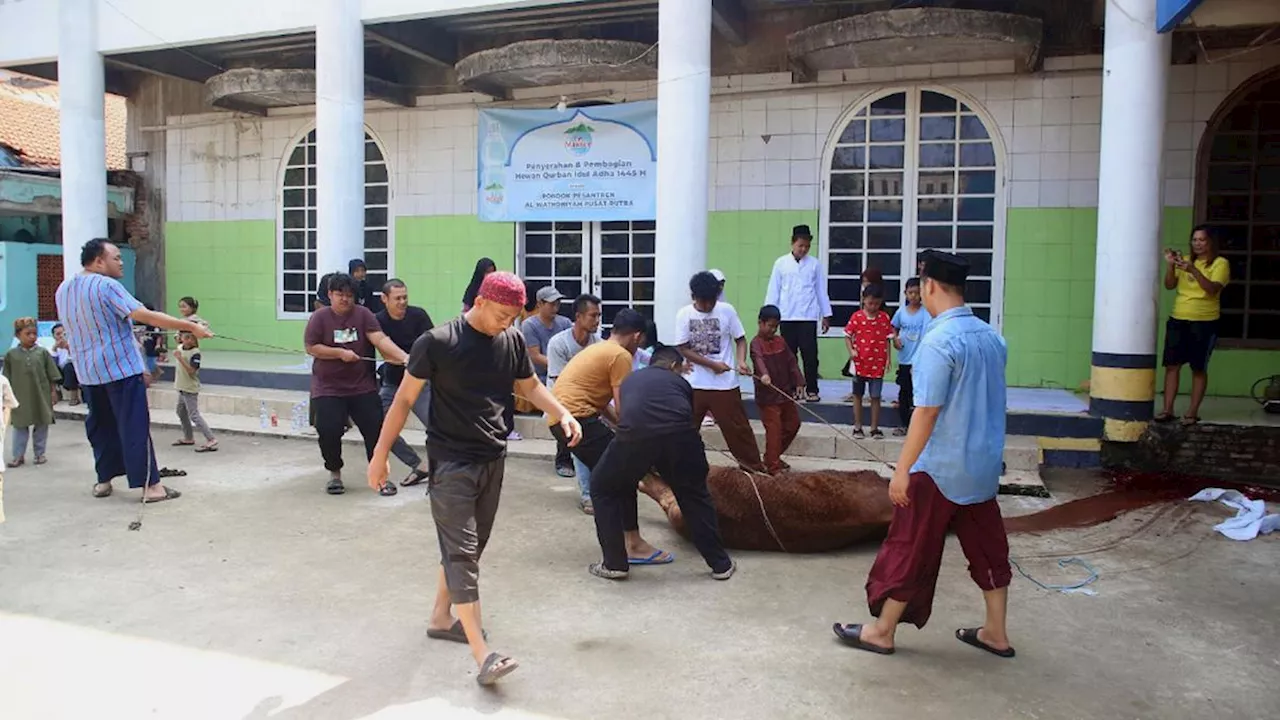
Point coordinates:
[[565, 472], [653, 559], [495, 667], [17, 462], [600, 571], [812, 397], [1190, 420], [1163, 418], [207, 448], [969, 636], [455, 633], [171, 472], [182, 443], [104, 492], [848, 635], [388, 489], [335, 487], [877, 434], [40, 460], [169, 494], [587, 507], [415, 477], [899, 432]]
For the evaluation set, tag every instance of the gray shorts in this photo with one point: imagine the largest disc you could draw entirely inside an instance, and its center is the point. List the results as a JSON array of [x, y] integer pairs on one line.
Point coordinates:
[[464, 501]]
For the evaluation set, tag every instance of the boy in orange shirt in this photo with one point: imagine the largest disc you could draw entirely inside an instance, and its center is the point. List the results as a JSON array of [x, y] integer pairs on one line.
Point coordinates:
[[868, 336]]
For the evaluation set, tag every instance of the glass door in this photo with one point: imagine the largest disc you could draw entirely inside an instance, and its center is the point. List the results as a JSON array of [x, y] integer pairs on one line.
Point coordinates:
[[613, 260]]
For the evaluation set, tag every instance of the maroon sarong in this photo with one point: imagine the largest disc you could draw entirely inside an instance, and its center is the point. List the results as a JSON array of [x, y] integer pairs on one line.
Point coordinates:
[[906, 568]]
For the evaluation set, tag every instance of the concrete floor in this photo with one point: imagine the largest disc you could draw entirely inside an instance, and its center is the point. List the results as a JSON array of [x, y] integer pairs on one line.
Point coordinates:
[[258, 596]]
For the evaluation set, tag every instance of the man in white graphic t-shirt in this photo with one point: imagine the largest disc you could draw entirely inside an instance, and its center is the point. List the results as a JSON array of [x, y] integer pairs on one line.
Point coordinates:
[[711, 337]]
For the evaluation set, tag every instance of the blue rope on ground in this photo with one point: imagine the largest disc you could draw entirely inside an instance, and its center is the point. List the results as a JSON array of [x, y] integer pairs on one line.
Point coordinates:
[[1079, 587]]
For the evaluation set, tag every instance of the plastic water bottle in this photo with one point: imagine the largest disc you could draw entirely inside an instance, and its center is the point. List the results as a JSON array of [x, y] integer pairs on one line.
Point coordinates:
[[299, 420], [264, 418]]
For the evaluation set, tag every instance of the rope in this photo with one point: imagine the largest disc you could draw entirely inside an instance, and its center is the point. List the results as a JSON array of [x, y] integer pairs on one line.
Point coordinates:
[[756, 489], [151, 452], [1067, 589], [835, 429], [269, 346]]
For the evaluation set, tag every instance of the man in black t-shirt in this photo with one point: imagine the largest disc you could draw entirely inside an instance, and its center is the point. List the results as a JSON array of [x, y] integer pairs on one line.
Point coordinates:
[[656, 430], [404, 324], [472, 363]]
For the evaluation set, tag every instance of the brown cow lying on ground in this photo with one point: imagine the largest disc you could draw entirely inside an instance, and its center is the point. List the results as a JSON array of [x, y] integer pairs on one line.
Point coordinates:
[[809, 511]]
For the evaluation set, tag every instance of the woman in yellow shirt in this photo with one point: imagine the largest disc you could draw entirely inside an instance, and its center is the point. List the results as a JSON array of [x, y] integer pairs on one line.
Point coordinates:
[[1192, 330]]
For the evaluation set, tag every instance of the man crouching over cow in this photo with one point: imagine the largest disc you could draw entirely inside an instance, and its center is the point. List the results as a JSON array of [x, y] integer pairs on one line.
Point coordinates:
[[656, 430]]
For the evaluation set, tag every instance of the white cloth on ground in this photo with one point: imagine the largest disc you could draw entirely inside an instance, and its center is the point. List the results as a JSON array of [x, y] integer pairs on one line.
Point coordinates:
[[1251, 518]]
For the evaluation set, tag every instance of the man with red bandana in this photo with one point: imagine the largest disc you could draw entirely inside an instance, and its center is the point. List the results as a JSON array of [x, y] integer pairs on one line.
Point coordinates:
[[471, 362]]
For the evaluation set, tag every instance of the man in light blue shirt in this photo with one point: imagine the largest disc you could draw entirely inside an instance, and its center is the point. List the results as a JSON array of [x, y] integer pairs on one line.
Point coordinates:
[[947, 475]]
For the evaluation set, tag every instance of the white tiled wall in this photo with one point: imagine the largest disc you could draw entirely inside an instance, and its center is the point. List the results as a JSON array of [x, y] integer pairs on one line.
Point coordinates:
[[767, 137]]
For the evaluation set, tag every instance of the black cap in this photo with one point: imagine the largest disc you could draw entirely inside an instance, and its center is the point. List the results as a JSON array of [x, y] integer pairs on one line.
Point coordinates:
[[801, 231], [946, 268]]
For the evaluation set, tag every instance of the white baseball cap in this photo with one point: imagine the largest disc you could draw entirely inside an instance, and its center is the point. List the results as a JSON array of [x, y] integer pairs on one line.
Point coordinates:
[[717, 274]]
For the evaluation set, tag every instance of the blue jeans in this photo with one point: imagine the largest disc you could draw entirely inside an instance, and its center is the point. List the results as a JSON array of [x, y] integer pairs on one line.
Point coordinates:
[[119, 430], [38, 433], [584, 478], [401, 449]]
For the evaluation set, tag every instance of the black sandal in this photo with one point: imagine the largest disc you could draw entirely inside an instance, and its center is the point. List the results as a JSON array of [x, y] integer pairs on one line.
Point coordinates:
[[414, 478], [849, 635], [169, 494], [495, 667], [1163, 418], [455, 633], [335, 487], [387, 489], [969, 636], [172, 472]]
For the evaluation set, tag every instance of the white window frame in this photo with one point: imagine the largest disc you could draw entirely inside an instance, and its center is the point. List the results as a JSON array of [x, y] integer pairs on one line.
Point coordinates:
[[281, 314], [911, 163]]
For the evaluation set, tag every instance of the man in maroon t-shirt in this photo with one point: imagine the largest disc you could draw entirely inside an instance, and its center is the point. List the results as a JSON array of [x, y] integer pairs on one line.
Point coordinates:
[[341, 338]]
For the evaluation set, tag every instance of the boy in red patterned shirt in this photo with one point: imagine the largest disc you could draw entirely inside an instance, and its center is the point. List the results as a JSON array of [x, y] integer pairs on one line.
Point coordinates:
[[868, 336]]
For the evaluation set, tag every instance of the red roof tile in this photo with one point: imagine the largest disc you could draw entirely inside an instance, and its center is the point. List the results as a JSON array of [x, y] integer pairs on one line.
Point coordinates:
[[29, 124]]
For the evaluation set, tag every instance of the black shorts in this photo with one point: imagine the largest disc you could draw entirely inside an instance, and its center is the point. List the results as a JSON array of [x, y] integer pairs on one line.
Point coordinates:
[[1189, 342]]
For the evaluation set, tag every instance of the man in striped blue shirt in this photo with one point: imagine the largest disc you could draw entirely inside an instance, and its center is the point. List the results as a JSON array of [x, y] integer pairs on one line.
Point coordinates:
[[95, 309]]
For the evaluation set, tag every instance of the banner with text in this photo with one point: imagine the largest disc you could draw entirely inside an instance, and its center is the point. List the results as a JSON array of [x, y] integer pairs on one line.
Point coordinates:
[[583, 164]]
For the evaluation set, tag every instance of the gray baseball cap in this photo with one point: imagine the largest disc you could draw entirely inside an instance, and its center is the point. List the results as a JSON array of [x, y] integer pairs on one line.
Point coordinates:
[[549, 294]]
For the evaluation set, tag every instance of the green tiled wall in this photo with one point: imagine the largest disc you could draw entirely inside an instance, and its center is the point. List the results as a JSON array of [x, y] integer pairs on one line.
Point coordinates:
[[230, 267], [436, 255], [1049, 279]]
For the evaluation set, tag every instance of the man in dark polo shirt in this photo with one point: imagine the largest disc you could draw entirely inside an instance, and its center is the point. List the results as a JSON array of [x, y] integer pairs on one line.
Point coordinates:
[[655, 430], [472, 363], [341, 338], [404, 324]]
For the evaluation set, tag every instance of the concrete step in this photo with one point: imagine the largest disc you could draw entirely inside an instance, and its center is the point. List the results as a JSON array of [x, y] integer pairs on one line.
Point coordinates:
[[1022, 452], [165, 427]]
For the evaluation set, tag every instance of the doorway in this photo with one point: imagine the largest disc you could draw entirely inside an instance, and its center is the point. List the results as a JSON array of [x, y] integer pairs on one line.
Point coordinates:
[[613, 260]]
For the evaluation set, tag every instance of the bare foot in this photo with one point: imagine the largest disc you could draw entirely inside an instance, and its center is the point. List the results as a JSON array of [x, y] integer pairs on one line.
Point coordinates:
[[154, 492], [873, 636], [987, 637], [640, 548]]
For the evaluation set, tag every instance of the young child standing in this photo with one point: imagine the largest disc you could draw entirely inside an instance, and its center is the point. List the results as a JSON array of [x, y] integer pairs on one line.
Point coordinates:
[[868, 336], [66, 365], [186, 381], [777, 378], [909, 321], [35, 377]]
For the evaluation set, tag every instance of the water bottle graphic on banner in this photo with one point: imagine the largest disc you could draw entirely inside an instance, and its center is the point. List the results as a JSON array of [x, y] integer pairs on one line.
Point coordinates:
[[493, 175]]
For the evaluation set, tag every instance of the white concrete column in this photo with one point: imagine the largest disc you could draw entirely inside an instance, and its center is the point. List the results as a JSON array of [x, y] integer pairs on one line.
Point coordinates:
[[684, 137], [1130, 206], [339, 134], [82, 129]]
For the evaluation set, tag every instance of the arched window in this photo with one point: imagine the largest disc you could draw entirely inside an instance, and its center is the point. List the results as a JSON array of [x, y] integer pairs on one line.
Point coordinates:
[[297, 269], [912, 170], [1238, 192]]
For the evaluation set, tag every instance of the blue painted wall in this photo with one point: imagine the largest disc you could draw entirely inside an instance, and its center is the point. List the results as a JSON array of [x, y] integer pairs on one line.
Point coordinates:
[[18, 280]]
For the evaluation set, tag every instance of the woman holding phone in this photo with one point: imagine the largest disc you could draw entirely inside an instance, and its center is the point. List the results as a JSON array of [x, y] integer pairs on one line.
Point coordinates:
[[1192, 329]]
